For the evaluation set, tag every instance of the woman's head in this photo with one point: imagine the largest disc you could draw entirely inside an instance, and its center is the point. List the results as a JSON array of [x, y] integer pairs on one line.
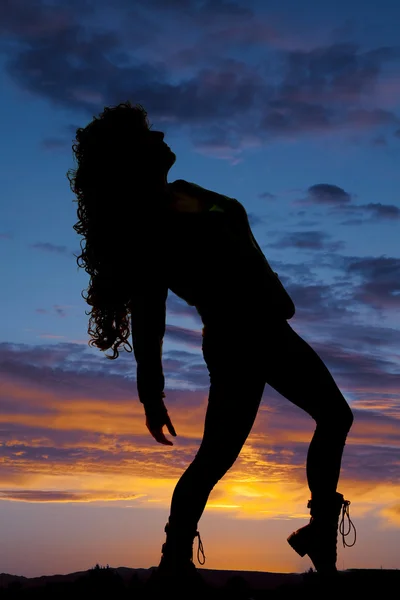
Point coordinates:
[[121, 173]]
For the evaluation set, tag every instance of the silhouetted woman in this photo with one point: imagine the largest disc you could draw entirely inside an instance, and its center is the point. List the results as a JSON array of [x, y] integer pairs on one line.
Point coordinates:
[[144, 236]]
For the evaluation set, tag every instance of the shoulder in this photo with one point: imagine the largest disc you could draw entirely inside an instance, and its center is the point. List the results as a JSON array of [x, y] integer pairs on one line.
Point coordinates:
[[224, 203]]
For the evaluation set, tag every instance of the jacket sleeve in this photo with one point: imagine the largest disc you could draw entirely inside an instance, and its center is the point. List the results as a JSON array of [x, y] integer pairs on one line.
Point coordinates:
[[148, 315]]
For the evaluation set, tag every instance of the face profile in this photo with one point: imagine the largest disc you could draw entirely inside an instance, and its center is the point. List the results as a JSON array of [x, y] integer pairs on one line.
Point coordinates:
[[158, 151]]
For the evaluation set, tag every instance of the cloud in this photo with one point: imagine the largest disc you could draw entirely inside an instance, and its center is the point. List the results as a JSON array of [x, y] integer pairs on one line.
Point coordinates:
[[381, 211], [186, 336], [177, 306], [335, 73], [267, 195], [326, 193], [281, 455], [340, 202], [59, 310], [204, 10], [380, 285], [225, 104], [35, 19], [306, 240], [392, 514], [48, 247], [62, 496], [317, 301], [358, 286], [66, 423]]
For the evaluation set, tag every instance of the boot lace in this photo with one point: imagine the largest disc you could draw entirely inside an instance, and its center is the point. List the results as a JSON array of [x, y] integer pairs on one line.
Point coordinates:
[[200, 549], [343, 533]]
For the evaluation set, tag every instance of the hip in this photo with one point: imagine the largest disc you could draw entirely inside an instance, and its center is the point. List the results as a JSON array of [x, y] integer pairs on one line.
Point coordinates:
[[242, 343]]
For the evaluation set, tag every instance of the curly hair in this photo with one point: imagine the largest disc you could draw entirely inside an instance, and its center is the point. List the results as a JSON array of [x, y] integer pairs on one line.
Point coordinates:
[[108, 150]]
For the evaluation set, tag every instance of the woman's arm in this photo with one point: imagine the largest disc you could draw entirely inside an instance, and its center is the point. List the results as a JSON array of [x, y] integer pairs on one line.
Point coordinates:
[[148, 314]]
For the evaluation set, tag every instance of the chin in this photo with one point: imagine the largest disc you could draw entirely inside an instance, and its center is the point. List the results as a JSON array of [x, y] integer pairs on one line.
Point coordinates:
[[171, 158]]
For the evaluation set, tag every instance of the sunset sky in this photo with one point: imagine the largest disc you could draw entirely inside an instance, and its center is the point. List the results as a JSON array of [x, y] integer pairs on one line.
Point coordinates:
[[291, 107]]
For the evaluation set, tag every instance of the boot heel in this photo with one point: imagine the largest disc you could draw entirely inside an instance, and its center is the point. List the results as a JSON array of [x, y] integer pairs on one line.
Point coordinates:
[[298, 540]]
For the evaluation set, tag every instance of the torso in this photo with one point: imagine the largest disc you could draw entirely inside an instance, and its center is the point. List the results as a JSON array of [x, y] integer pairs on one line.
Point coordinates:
[[213, 263]]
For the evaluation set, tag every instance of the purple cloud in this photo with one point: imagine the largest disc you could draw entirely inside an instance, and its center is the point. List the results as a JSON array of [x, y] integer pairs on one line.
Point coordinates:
[[306, 240], [340, 202], [381, 211], [186, 336], [61, 496], [226, 104], [326, 193], [380, 287], [45, 385]]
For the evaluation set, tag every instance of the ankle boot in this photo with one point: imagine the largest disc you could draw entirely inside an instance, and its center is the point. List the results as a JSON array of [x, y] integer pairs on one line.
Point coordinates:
[[177, 553], [318, 539]]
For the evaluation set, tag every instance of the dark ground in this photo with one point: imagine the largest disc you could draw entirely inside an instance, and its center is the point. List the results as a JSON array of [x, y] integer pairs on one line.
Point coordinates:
[[124, 584]]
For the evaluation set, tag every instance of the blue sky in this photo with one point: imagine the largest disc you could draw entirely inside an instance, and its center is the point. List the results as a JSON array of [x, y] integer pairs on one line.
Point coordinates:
[[293, 109]]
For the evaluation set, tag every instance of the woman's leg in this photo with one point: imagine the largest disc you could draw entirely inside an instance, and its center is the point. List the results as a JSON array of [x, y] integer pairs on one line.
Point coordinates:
[[234, 398], [296, 371], [287, 363]]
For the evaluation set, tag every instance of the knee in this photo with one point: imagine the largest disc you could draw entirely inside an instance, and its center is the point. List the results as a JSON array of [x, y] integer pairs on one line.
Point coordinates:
[[341, 419], [347, 418]]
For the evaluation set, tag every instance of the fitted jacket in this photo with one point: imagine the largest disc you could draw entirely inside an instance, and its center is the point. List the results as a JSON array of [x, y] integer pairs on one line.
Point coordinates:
[[206, 254]]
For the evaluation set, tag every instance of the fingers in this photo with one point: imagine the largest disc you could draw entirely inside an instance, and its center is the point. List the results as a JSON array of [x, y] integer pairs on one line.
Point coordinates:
[[159, 436], [157, 431], [170, 427]]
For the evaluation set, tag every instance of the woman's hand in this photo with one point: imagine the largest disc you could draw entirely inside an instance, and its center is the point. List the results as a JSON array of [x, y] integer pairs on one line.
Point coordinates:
[[156, 418]]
